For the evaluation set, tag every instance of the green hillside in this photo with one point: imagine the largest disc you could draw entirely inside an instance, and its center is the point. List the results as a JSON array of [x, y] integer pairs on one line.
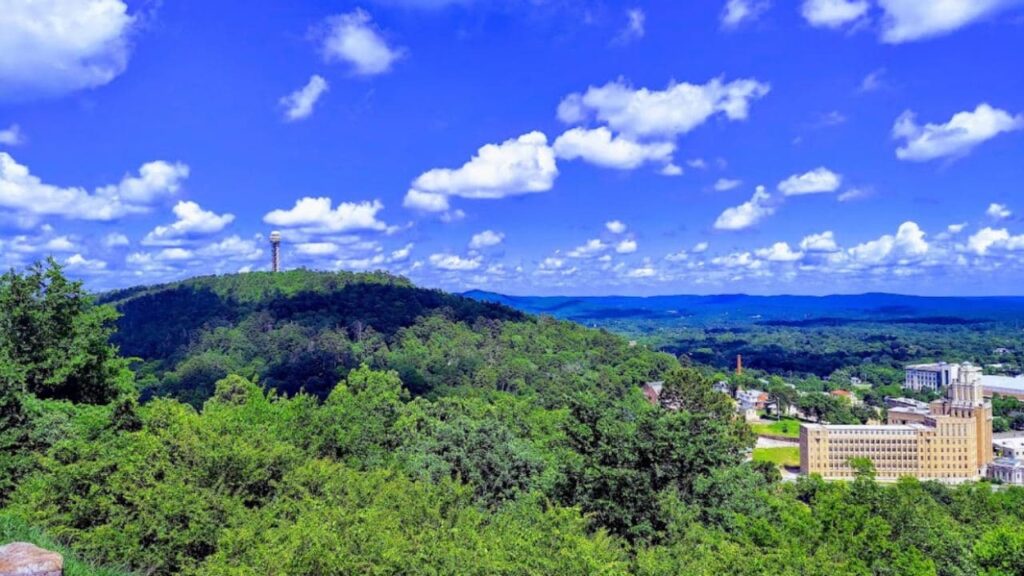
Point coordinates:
[[467, 440], [304, 330]]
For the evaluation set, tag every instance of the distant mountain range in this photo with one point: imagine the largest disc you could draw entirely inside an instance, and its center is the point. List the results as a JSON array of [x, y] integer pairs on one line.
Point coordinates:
[[741, 309]]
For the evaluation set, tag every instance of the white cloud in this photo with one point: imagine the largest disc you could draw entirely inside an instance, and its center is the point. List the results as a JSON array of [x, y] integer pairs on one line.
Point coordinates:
[[192, 221], [11, 136], [873, 81], [737, 12], [643, 113], [998, 211], [299, 104], [402, 253], [115, 239], [353, 38], [520, 165], [697, 163], [486, 239], [599, 146], [833, 13], [816, 181], [627, 246], [983, 240], [747, 214], [824, 242], [854, 194], [955, 138], [671, 169], [79, 263], [908, 242], [453, 262], [737, 260], [700, 247], [315, 215], [317, 248], [646, 271], [634, 29], [908, 20], [615, 226], [779, 252], [956, 228], [592, 247], [53, 47], [22, 191], [726, 184], [233, 248]]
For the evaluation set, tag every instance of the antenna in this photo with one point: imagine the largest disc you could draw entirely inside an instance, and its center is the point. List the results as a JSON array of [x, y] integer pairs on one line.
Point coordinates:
[[275, 251]]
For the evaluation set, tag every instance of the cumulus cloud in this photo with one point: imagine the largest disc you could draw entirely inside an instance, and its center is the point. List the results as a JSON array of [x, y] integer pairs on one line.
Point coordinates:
[[615, 226], [998, 211], [192, 222], [779, 252], [987, 238], [671, 169], [486, 239], [353, 38], [233, 248], [737, 12], [520, 165], [627, 246], [700, 247], [643, 113], [726, 184], [53, 47], [814, 182], [598, 146], [115, 239], [747, 214], [824, 242], [315, 215], [833, 13], [955, 138], [79, 263], [454, 262], [27, 194], [908, 242], [591, 248], [11, 136], [909, 20], [299, 104]]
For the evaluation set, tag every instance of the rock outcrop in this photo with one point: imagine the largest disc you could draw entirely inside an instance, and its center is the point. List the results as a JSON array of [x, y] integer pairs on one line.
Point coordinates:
[[24, 559]]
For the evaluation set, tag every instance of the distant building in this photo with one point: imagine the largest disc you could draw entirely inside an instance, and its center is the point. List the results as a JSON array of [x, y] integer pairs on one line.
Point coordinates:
[[930, 377], [952, 442], [752, 399], [849, 396], [1007, 471], [1004, 386], [1009, 447]]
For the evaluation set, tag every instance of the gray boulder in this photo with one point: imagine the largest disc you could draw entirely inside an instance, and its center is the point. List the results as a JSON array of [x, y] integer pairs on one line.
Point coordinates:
[[24, 559]]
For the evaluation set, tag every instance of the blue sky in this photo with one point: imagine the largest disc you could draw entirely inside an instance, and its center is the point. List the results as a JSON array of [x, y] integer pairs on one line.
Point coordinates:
[[527, 147]]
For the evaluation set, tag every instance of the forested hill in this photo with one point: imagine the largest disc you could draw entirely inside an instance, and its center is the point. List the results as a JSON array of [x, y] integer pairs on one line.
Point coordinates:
[[304, 330], [744, 309]]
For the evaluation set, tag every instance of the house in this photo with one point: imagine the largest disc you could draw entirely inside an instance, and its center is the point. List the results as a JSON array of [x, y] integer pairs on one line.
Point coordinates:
[[849, 396], [752, 399]]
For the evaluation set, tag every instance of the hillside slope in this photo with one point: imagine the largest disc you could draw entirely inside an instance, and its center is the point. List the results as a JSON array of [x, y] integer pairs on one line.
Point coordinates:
[[304, 330]]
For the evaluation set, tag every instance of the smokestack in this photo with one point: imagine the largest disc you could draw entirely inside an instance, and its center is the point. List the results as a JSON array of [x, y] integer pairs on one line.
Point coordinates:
[[275, 251]]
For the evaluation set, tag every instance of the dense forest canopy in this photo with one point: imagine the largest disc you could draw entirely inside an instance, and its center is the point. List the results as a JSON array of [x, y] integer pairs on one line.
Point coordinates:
[[456, 438]]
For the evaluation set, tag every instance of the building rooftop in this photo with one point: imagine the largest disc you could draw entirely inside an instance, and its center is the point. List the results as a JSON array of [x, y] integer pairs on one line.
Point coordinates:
[[1009, 384], [1013, 443]]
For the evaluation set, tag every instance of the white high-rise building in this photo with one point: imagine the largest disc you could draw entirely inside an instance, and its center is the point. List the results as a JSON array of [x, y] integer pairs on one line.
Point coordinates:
[[931, 376]]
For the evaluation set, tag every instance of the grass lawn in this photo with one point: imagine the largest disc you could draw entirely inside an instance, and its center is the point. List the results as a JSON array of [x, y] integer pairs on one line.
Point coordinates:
[[784, 456], [787, 427], [13, 530]]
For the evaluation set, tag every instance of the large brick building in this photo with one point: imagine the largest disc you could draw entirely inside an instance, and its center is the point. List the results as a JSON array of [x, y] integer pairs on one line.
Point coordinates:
[[950, 440]]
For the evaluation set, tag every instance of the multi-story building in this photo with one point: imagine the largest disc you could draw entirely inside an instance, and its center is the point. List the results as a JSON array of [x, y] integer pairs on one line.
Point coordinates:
[[930, 376], [950, 441]]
